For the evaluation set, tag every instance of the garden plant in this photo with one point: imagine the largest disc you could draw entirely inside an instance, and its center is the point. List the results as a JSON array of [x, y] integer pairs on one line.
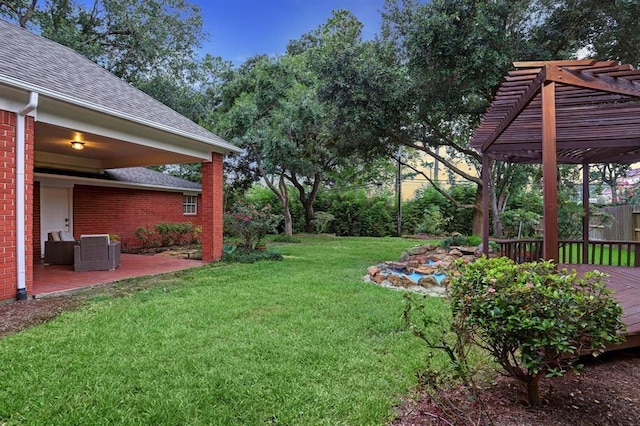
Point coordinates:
[[249, 223], [533, 319]]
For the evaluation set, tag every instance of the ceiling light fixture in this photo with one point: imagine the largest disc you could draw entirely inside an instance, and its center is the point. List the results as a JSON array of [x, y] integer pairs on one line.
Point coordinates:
[[77, 145]]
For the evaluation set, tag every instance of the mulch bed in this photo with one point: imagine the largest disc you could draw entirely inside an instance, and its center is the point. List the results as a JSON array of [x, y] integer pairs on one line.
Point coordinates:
[[607, 392]]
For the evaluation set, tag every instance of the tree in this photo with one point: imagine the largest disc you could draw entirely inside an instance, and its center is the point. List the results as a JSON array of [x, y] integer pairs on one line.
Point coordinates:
[[276, 109], [270, 109], [603, 29], [455, 53], [609, 174]]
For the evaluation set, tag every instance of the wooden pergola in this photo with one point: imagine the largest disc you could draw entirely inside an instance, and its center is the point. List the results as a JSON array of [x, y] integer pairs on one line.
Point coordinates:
[[560, 112]]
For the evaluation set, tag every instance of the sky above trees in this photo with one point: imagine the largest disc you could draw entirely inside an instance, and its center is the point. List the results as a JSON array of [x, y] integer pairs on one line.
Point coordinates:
[[240, 29]]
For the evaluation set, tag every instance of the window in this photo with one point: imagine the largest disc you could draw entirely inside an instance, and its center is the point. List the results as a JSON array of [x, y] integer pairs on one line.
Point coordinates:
[[190, 204]]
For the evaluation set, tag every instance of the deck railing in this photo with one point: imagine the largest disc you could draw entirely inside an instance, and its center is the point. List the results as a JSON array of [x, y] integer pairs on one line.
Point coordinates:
[[613, 253]]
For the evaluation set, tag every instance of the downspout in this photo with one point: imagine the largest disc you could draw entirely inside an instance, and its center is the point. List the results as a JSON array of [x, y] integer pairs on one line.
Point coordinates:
[[21, 252]]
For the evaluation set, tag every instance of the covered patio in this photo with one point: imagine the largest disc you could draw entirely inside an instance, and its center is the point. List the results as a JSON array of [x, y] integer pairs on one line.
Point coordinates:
[[64, 122], [568, 112], [51, 280]]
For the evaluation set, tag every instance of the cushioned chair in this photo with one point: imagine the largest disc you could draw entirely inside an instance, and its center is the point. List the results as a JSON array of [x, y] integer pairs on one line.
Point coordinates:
[[58, 249], [96, 253]]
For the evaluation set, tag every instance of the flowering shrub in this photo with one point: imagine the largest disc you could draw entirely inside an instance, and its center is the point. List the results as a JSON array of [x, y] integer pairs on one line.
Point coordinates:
[[250, 223], [533, 319]]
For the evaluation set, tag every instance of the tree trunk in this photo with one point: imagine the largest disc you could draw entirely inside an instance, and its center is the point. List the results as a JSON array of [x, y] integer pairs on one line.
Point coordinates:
[[614, 193], [477, 213], [533, 390], [495, 211], [307, 200], [308, 217], [282, 193], [286, 211], [288, 222]]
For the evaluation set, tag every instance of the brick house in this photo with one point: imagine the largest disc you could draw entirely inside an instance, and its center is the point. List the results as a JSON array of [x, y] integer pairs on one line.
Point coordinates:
[[67, 127]]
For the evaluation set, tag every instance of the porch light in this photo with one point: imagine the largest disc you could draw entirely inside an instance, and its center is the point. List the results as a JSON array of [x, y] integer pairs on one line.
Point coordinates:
[[77, 145]]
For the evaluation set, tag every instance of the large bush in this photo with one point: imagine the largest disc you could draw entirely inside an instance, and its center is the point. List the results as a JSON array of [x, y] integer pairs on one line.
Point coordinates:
[[432, 213], [355, 213], [532, 318], [250, 223]]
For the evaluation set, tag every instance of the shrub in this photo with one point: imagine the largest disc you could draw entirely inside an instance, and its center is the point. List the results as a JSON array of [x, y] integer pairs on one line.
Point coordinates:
[[454, 240], [321, 221], [232, 254], [417, 212], [146, 237], [173, 233], [433, 222], [533, 319], [249, 223]]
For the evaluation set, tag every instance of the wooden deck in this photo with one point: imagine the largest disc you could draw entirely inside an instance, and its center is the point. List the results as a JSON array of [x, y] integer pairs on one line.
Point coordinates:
[[625, 282]]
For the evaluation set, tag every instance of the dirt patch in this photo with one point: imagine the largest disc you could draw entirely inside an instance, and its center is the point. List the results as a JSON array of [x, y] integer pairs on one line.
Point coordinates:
[[605, 393], [17, 316]]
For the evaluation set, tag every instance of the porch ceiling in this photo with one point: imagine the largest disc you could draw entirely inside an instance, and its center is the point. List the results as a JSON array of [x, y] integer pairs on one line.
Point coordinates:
[[597, 110], [53, 150]]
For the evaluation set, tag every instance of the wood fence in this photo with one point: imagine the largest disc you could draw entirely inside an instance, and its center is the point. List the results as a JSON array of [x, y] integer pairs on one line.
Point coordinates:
[[624, 227]]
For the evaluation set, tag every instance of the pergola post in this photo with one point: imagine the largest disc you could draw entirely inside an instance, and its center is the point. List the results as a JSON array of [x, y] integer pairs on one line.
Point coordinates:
[[549, 172], [486, 174]]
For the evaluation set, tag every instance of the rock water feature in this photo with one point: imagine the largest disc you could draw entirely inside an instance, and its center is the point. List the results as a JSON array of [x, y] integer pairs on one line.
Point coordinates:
[[423, 269]]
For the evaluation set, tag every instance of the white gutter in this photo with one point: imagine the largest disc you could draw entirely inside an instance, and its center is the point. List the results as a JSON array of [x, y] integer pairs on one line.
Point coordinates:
[[21, 252], [74, 180]]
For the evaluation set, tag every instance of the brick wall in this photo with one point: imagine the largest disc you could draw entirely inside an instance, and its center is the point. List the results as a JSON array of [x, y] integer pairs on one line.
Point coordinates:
[[8, 267], [99, 210]]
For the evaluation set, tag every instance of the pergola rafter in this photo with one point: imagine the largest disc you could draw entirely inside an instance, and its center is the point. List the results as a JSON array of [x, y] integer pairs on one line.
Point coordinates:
[[561, 112]]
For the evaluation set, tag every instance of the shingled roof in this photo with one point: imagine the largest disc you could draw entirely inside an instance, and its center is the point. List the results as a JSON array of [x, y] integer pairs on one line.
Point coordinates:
[[144, 176], [34, 63]]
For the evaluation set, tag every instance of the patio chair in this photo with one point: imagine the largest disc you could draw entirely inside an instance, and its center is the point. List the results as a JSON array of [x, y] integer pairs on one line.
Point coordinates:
[[96, 253], [58, 249]]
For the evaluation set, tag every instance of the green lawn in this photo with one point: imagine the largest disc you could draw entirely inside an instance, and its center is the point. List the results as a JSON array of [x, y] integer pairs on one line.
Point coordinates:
[[618, 257], [303, 341]]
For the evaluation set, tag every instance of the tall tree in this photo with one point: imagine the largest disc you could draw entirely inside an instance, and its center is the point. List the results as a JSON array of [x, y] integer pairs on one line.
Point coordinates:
[[270, 109]]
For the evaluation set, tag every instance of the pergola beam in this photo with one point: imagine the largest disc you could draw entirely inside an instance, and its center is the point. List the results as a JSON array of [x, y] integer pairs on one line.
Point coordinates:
[[592, 81]]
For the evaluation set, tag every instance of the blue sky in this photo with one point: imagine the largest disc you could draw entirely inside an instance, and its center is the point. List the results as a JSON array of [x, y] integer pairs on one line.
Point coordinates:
[[239, 29]]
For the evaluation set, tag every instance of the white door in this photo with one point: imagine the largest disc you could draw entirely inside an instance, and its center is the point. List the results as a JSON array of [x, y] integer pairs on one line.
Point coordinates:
[[55, 211]]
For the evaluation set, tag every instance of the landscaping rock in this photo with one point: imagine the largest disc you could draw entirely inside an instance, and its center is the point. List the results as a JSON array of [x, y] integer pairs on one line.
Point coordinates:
[[414, 251], [425, 270], [428, 281], [417, 260]]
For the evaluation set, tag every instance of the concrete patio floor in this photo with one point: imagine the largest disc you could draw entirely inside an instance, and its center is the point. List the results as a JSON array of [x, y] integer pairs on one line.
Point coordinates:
[[60, 279]]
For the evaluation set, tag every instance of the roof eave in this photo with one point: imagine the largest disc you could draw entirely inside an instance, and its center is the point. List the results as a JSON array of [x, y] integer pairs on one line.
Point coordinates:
[[221, 146]]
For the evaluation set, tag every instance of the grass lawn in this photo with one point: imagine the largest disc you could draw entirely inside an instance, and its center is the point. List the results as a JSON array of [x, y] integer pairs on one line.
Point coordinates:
[[605, 252], [302, 341]]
